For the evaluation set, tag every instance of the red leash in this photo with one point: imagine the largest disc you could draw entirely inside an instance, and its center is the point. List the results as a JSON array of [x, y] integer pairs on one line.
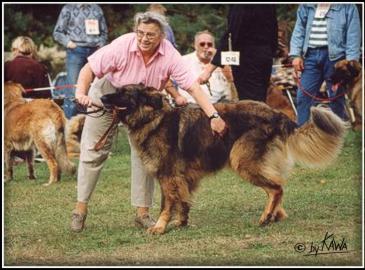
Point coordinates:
[[50, 88], [300, 87]]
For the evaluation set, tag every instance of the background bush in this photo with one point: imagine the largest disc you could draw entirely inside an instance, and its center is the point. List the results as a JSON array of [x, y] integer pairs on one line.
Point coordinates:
[[38, 20]]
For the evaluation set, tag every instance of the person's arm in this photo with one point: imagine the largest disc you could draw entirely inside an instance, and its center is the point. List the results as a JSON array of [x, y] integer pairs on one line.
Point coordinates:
[[184, 77], [60, 30], [207, 73], [353, 34], [86, 76], [299, 32], [100, 63], [216, 123], [297, 40], [179, 99]]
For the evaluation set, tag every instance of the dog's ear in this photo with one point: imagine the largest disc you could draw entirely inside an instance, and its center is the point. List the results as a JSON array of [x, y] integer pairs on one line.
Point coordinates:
[[149, 88], [354, 68], [153, 100], [156, 102]]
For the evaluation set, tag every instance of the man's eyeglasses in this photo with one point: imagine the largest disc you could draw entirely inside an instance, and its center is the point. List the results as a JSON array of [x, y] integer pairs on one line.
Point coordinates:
[[149, 35], [209, 44]]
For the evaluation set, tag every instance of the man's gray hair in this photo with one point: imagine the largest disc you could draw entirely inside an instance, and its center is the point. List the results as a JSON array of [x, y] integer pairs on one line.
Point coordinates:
[[204, 32], [150, 17]]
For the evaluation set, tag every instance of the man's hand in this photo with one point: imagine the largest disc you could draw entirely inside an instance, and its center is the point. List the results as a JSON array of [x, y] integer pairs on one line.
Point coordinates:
[[204, 77], [71, 45], [181, 101], [218, 126], [83, 99], [298, 66]]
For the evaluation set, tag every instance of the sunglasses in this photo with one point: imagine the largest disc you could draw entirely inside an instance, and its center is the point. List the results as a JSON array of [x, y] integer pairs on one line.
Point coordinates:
[[209, 44]]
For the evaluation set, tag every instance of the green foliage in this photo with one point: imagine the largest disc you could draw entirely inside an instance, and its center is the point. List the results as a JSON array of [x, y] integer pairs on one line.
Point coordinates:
[[38, 20], [33, 20]]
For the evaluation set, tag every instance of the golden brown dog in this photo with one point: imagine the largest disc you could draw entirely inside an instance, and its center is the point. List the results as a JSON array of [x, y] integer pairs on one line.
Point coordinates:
[[276, 100], [39, 123], [74, 128], [348, 74], [177, 146]]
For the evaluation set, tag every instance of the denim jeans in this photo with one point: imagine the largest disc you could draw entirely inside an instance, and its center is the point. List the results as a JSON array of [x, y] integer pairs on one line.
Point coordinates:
[[317, 68], [76, 59]]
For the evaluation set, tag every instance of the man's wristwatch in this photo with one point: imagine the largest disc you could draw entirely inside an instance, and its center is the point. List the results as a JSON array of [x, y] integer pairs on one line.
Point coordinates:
[[214, 115]]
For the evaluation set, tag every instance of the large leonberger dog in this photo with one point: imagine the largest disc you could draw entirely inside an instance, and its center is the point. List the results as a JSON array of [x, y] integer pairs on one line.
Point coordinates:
[[38, 123], [177, 146], [348, 74]]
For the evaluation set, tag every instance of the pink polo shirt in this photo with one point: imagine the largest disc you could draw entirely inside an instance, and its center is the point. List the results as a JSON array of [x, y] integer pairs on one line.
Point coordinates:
[[122, 63]]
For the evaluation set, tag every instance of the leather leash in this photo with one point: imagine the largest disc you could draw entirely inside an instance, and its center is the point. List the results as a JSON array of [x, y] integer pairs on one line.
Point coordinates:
[[100, 144]]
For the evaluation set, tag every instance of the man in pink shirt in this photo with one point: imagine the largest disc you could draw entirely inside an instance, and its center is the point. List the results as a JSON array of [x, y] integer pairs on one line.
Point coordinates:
[[140, 57]]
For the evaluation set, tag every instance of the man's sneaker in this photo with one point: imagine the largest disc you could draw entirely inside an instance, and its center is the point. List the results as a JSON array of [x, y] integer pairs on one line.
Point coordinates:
[[144, 221], [77, 221]]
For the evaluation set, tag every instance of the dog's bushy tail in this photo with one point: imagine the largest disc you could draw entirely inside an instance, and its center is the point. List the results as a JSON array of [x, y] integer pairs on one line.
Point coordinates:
[[318, 142], [62, 158], [61, 151]]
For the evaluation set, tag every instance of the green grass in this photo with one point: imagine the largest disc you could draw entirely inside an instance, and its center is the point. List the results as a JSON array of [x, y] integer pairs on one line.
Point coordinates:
[[223, 220]]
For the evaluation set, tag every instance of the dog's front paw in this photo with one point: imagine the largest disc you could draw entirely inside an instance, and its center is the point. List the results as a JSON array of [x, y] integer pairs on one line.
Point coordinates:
[[180, 223], [266, 220], [156, 230]]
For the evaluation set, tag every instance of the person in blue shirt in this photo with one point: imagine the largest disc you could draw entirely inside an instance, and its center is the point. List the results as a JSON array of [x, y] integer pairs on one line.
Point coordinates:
[[81, 29], [323, 35]]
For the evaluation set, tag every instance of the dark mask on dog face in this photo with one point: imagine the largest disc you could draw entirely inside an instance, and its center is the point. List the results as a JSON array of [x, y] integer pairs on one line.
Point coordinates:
[[132, 97], [345, 71]]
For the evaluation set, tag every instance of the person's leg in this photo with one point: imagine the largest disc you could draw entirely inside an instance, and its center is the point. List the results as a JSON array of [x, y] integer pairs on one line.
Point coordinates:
[[252, 76], [91, 161], [76, 59], [142, 189], [310, 82], [257, 69]]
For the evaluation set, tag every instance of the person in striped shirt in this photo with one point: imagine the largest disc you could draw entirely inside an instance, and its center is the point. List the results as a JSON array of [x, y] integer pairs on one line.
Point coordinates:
[[323, 34]]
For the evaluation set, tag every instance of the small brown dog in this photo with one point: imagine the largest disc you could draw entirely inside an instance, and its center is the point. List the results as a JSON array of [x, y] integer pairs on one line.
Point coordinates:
[[39, 123], [74, 128], [348, 74]]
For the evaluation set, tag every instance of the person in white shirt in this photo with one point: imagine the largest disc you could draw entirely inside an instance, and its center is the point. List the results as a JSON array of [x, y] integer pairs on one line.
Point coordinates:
[[218, 88]]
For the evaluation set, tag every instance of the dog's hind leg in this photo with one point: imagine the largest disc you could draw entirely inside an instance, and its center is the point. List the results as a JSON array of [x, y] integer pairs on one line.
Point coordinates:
[[273, 211], [9, 164], [48, 154], [29, 157], [243, 161]]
